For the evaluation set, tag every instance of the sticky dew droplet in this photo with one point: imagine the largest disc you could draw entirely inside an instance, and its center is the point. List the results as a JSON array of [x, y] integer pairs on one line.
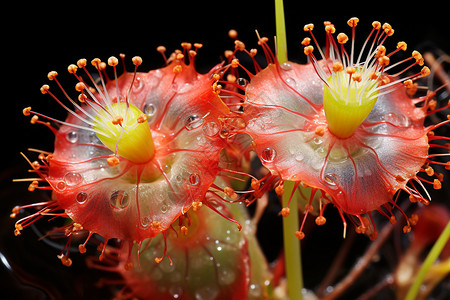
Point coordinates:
[[73, 178], [210, 129], [193, 122], [81, 197], [119, 199], [72, 137], [149, 109], [268, 154], [331, 179], [194, 179]]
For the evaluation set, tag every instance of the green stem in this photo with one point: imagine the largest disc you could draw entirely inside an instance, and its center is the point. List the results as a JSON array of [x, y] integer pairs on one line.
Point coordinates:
[[429, 260], [281, 32], [292, 252]]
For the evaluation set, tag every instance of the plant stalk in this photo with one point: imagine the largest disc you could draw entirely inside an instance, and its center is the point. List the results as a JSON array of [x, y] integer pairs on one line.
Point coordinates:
[[429, 260], [292, 252]]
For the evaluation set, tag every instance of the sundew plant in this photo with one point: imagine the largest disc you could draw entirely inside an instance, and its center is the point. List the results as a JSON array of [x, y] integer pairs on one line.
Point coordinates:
[[159, 180]]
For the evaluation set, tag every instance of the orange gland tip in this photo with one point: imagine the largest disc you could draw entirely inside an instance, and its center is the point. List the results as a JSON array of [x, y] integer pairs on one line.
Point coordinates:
[[308, 27], [376, 25], [352, 22], [342, 38], [425, 71], [52, 74], [308, 50], [233, 34], [117, 120], [15, 211], [306, 41], [196, 205], [300, 235], [82, 248], [186, 46], [402, 45], [393, 220], [320, 130], [66, 261], [177, 69], [329, 28], [161, 49], [112, 161], [141, 118], [413, 219], [80, 86], [113, 61], [184, 230], [26, 111], [429, 170], [72, 69], [255, 184], [406, 228], [44, 89], [239, 45], [230, 192], [320, 220], [34, 119], [235, 63], [437, 185], [137, 60], [82, 62], [408, 84], [279, 189], [285, 211], [384, 60], [33, 185]]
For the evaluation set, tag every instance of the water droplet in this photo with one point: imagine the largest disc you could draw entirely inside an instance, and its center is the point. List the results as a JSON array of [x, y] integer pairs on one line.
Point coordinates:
[[226, 276], [149, 109], [164, 208], [391, 118], [242, 81], [193, 122], [145, 221], [138, 85], [331, 179], [291, 82], [404, 120], [254, 290], [73, 178], [210, 128], [93, 138], [286, 66], [268, 154], [206, 292], [61, 185], [299, 156], [81, 197], [119, 199], [194, 179], [224, 133], [72, 137]]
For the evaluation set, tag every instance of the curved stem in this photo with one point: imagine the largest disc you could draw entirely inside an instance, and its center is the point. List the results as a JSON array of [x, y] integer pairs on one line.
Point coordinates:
[[429, 260], [292, 252]]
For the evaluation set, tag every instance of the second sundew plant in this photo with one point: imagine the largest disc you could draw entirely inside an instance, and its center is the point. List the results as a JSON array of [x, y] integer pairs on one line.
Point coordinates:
[[158, 160], [344, 127]]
